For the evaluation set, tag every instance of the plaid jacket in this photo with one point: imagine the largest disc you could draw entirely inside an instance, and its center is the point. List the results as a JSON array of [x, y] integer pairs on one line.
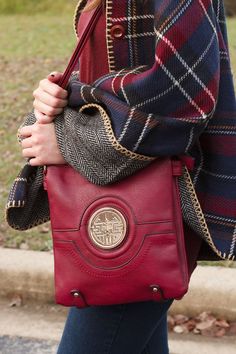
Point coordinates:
[[169, 92]]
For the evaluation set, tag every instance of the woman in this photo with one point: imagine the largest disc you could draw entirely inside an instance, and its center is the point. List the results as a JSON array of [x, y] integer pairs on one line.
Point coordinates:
[[161, 70]]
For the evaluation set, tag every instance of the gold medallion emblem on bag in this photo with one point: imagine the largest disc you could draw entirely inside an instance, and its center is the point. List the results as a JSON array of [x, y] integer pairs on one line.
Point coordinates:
[[107, 228]]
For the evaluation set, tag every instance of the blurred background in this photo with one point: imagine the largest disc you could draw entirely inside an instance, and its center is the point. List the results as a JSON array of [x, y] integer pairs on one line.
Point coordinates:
[[37, 37]]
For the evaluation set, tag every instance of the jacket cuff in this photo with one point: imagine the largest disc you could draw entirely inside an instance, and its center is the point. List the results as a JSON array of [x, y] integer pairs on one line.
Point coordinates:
[[87, 142]]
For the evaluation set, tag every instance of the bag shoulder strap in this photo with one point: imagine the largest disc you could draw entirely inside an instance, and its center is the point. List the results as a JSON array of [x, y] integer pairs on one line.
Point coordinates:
[[81, 43]]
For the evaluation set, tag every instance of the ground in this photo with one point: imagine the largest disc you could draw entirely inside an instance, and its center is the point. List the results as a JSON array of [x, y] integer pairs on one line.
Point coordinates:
[[36, 329]]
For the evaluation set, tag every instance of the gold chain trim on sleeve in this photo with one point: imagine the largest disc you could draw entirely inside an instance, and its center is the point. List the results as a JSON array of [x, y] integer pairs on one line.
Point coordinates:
[[109, 39], [111, 136], [79, 6], [201, 218]]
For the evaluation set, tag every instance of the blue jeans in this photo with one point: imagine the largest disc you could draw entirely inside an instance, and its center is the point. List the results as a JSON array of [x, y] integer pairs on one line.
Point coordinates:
[[137, 328]]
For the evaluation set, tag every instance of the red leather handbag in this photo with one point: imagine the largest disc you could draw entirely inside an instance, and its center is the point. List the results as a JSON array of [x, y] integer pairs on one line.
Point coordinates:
[[117, 243]]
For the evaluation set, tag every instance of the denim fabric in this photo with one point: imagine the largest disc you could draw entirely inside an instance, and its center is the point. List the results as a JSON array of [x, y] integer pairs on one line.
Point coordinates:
[[137, 328]]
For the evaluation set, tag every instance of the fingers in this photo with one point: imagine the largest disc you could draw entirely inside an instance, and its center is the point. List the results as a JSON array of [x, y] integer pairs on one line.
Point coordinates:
[[55, 76], [42, 118], [26, 131], [27, 143], [38, 115], [29, 130], [31, 146], [40, 147], [52, 89], [34, 161], [50, 99], [28, 153], [46, 109], [46, 98]]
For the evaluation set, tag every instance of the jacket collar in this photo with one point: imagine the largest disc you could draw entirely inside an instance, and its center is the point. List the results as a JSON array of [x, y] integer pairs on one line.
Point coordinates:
[[138, 23]]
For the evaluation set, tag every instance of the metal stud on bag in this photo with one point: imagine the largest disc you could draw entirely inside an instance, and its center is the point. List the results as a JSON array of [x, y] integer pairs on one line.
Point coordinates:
[[79, 299], [156, 289], [75, 293]]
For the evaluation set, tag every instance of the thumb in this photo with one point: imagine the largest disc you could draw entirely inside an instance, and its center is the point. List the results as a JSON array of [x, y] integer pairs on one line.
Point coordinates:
[[54, 76]]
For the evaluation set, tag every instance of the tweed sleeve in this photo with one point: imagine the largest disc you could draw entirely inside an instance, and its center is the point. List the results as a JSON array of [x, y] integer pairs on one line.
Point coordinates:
[[149, 112], [27, 204]]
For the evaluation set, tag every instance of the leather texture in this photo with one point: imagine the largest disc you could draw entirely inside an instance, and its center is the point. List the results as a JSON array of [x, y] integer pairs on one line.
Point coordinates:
[[150, 263]]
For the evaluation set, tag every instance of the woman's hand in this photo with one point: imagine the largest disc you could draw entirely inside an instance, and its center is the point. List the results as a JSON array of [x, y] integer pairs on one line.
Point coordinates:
[[50, 99], [39, 144]]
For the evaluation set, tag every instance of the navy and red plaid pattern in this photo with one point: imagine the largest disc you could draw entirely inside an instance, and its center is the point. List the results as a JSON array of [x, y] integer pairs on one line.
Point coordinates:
[[171, 92]]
